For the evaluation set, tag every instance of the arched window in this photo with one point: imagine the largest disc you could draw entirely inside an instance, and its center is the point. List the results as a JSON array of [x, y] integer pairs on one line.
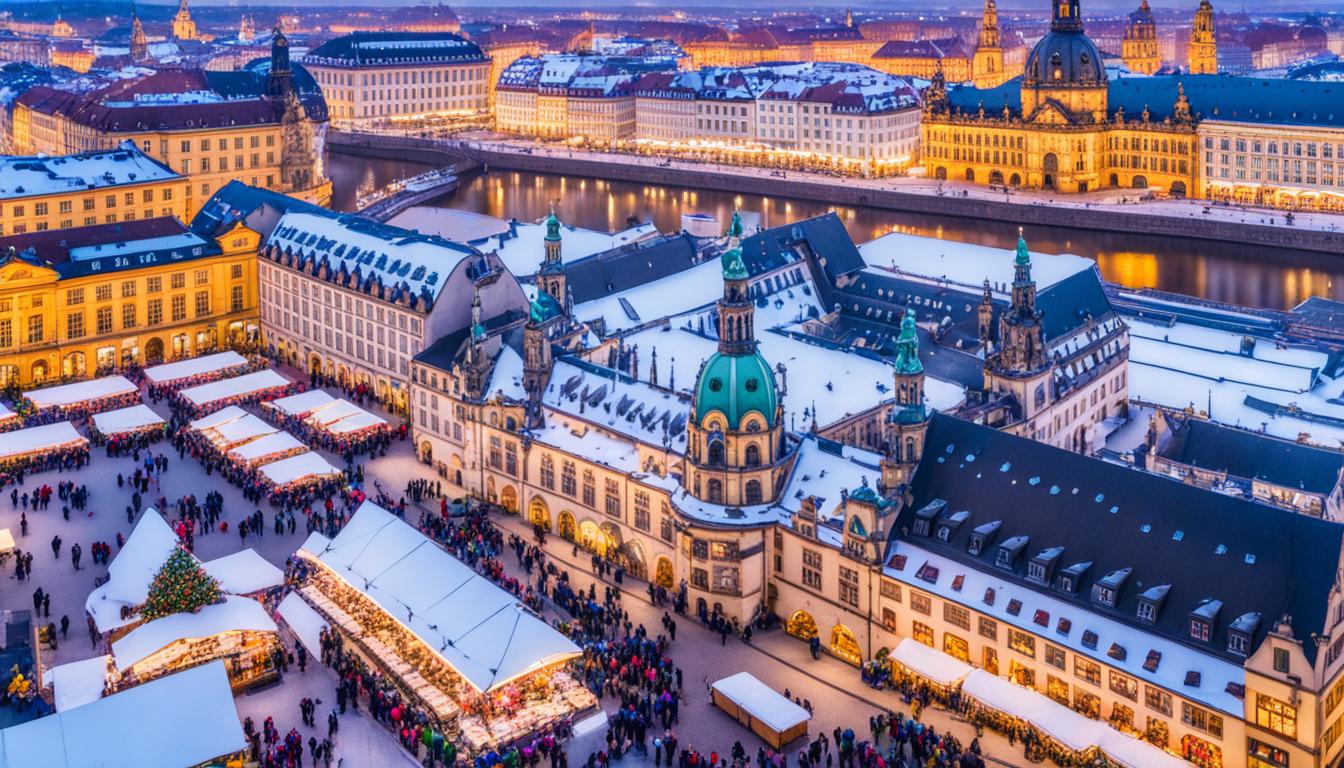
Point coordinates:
[[716, 453], [752, 458], [715, 488], [910, 454], [753, 492]]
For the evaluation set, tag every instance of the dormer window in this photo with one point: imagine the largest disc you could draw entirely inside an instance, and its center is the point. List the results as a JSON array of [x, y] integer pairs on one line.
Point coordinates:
[[983, 536], [1070, 577], [1041, 568], [1150, 602], [1240, 632], [948, 526], [1107, 589], [1199, 630], [1203, 618], [1010, 551], [924, 517], [1147, 611]]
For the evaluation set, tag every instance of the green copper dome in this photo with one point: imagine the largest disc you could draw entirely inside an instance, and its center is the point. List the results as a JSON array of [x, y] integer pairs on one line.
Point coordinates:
[[736, 385], [552, 227], [907, 347], [735, 226], [1023, 255], [733, 268]]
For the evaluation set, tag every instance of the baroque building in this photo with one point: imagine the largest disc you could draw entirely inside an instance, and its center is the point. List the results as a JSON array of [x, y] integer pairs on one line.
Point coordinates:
[[1139, 47], [1202, 53], [184, 27]]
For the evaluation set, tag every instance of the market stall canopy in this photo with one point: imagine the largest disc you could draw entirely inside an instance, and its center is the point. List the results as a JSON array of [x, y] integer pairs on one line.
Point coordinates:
[[45, 437], [237, 614], [80, 392], [303, 403], [238, 386], [218, 418], [244, 572], [926, 662], [6, 414], [6, 540], [196, 366], [480, 630], [1129, 752], [298, 467], [79, 682], [131, 571], [341, 409], [763, 702], [239, 430], [126, 419], [356, 423], [304, 620], [184, 719], [267, 445]]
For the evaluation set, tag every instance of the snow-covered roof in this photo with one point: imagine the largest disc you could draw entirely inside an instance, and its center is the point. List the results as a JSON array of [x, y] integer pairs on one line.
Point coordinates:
[[126, 419], [244, 572], [507, 377], [239, 431], [39, 438], [44, 176], [298, 467], [933, 664], [964, 264], [131, 570], [187, 718], [763, 702], [239, 385], [478, 629], [452, 223], [232, 615], [218, 418], [522, 248], [80, 392], [267, 445], [632, 409], [355, 423], [301, 404], [79, 682], [698, 286], [6, 414], [1176, 658], [419, 263], [195, 366], [180, 243]]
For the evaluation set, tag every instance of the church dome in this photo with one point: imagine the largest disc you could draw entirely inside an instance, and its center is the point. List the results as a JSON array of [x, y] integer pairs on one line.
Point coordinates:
[[1065, 58], [735, 386]]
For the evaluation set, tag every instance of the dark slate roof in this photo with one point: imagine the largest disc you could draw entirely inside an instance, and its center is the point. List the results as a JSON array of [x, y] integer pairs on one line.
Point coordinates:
[[1273, 561], [1212, 97], [628, 266], [822, 239], [367, 49], [235, 201], [1245, 454], [1068, 304], [122, 240]]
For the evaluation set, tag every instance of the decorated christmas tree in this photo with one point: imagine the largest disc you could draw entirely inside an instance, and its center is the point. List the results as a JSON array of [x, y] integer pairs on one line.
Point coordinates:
[[180, 585]]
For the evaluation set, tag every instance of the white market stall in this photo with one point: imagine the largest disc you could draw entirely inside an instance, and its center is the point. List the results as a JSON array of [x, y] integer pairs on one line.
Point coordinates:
[[1130, 752], [300, 468], [35, 446], [180, 720], [218, 418], [8, 418], [1066, 731], [238, 431], [765, 711], [237, 629], [935, 666], [272, 447], [251, 387], [6, 541], [84, 397], [306, 623], [356, 423], [79, 682], [196, 370], [340, 409], [446, 634], [135, 420], [300, 405], [130, 572], [244, 572]]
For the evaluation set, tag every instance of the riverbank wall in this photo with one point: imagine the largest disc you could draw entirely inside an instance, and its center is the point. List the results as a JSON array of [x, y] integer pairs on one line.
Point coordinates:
[[836, 192]]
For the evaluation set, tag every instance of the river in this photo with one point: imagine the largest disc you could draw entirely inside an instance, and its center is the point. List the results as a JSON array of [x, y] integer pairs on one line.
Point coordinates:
[[1228, 272]]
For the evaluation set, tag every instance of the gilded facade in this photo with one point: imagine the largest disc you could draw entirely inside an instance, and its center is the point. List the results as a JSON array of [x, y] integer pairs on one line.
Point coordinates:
[[1139, 47]]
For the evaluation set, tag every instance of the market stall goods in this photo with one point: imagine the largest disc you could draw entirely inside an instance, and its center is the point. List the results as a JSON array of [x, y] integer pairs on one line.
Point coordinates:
[[755, 705], [306, 467], [123, 423], [9, 419], [41, 447], [82, 398], [237, 630], [168, 377], [240, 390]]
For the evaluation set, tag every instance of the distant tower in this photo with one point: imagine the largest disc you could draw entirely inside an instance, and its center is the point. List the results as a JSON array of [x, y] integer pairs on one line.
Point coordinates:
[[246, 33], [1139, 46], [183, 26], [476, 368], [139, 43], [985, 318], [1203, 51], [536, 364], [987, 64], [849, 18], [908, 420], [1020, 365], [551, 275], [281, 78]]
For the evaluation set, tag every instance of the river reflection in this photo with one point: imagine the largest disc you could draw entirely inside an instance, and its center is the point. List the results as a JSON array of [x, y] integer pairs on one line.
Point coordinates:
[[1239, 274]]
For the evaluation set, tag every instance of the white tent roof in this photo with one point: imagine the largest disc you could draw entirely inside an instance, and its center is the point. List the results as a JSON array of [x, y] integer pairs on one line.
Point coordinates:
[[244, 572], [240, 430], [297, 467], [182, 719], [196, 366], [476, 627], [302, 403], [81, 392], [306, 622], [762, 701], [79, 682], [222, 416], [1061, 723], [334, 412], [6, 414], [232, 615], [39, 438], [131, 570], [239, 385], [355, 423], [935, 665], [268, 445], [126, 419]]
